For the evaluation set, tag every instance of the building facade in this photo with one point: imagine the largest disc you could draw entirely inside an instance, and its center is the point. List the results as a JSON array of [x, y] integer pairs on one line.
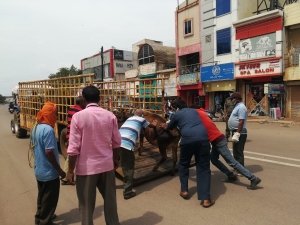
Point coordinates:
[[218, 47], [259, 62], [292, 59], [114, 64], [188, 53]]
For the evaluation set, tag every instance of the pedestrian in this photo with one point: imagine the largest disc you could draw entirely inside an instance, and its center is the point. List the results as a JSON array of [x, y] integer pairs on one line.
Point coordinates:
[[130, 132], [46, 165], [237, 124], [220, 147], [194, 142], [79, 105], [92, 151], [228, 107]]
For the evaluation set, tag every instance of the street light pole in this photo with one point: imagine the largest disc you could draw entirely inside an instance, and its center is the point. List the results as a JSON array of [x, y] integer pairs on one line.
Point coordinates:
[[102, 66]]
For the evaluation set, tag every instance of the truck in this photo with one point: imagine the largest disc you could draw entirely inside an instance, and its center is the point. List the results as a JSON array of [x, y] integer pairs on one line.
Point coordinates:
[[120, 97]]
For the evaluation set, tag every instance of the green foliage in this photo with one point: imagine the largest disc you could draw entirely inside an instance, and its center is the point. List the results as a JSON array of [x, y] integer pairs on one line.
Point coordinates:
[[2, 99], [64, 72]]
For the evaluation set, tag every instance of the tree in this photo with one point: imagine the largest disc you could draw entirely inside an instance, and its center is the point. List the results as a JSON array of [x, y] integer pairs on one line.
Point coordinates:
[[2, 99], [64, 72]]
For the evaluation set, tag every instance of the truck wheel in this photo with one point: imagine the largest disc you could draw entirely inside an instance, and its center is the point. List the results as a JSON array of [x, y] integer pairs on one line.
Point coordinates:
[[63, 142], [12, 126], [20, 132]]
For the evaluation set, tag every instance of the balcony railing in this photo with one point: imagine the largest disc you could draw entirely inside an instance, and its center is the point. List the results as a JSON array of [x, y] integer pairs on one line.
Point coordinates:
[[193, 68]]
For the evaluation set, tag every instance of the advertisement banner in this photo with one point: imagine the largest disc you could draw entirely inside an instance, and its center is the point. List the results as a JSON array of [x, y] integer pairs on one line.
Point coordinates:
[[258, 47], [217, 72], [255, 69]]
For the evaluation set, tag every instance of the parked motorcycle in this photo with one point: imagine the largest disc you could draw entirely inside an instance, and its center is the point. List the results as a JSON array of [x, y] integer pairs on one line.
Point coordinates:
[[11, 107]]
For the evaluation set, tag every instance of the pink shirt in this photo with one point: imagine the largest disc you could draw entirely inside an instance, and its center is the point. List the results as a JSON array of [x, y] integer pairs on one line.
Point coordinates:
[[94, 133]]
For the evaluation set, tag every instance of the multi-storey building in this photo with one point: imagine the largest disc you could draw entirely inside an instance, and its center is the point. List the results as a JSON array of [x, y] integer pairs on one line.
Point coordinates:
[[113, 65], [292, 59], [188, 52], [218, 46], [258, 66]]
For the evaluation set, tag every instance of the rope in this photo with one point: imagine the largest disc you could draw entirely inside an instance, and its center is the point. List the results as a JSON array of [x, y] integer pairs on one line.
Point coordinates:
[[30, 155]]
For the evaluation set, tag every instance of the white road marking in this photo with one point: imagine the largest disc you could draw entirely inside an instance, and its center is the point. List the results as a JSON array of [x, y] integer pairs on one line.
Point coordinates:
[[273, 161], [270, 160], [273, 156]]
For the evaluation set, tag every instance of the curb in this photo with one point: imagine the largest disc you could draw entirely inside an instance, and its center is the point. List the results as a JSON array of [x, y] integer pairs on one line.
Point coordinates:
[[281, 122]]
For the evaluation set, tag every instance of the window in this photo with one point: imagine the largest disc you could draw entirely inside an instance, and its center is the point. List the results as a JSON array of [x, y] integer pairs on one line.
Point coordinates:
[[224, 41], [146, 55], [222, 7], [188, 29]]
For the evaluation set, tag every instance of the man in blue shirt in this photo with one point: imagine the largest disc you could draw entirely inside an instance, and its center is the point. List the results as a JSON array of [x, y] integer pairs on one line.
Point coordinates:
[[194, 142], [237, 124], [46, 168]]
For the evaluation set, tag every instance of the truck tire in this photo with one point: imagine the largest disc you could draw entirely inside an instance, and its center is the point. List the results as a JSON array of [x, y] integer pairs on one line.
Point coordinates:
[[12, 126], [20, 132], [63, 142]]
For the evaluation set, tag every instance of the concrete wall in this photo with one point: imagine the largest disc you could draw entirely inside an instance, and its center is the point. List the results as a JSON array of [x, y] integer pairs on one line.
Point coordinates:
[[207, 31], [188, 13], [291, 14], [223, 22], [245, 8]]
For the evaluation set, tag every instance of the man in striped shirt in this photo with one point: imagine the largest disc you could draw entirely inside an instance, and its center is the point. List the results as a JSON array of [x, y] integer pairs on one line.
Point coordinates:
[[130, 132], [79, 105]]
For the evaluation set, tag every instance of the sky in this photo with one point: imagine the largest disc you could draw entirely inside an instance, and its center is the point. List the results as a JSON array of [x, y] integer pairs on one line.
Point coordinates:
[[37, 37]]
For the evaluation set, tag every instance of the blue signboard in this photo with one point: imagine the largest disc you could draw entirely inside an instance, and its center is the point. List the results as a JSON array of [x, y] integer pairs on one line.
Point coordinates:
[[217, 72]]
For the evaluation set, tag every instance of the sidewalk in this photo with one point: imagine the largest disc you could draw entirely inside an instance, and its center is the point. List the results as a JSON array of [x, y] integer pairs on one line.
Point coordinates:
[[266, 119]]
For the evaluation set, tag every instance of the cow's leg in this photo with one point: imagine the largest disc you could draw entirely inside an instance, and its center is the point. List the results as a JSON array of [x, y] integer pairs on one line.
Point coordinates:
[[174, 157], [162, 142], [141, 144]]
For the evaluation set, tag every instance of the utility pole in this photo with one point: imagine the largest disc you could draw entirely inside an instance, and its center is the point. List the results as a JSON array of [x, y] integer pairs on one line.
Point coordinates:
[[102, 66]]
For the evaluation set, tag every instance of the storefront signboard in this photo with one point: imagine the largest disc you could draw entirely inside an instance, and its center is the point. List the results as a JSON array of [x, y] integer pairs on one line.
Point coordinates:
[[217, 72], [258, 69], [273, 88], [258, 47], [188, 79], [149, 68]]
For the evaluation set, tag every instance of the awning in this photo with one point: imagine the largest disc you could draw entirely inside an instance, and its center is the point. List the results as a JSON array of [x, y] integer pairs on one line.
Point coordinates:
[[228, 85]]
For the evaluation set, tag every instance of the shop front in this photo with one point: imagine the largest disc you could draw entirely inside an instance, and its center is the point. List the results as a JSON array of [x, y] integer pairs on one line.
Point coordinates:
[[218, 83], [258, 69], [263, 87], [292, 84]]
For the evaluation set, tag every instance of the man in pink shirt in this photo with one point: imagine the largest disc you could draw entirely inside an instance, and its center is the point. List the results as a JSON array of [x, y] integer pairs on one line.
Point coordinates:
[[93, 143]]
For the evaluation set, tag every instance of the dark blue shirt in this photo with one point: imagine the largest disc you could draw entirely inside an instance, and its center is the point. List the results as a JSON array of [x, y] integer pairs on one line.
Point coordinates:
[[190, 125]]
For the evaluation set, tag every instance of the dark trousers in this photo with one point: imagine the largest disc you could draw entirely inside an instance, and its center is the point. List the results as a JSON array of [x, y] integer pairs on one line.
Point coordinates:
[[201, 151], [227, 130], [238, 149], [86, 193], [127, 159], [48, 193]]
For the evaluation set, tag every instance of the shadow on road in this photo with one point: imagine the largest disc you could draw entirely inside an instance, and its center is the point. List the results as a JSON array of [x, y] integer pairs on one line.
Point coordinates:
[[148, 218], [73, 216]]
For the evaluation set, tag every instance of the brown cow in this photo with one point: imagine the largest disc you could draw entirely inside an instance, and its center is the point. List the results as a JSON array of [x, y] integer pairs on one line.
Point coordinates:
[[158, 136], [161, 138]]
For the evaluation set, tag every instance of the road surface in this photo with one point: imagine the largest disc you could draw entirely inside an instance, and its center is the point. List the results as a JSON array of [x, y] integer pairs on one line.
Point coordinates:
[[273, 154]]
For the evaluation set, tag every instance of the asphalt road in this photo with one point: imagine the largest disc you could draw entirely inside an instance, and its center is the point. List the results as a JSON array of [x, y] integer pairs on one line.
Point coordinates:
[[273, 154]]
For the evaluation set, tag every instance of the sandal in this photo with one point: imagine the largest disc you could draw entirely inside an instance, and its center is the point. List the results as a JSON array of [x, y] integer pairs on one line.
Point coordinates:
[[65, 182], [207, 203], [185, 195]]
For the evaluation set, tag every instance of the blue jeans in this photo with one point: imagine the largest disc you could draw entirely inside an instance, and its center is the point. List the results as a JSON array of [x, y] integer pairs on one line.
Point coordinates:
[[201, 151], [221, 148]]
